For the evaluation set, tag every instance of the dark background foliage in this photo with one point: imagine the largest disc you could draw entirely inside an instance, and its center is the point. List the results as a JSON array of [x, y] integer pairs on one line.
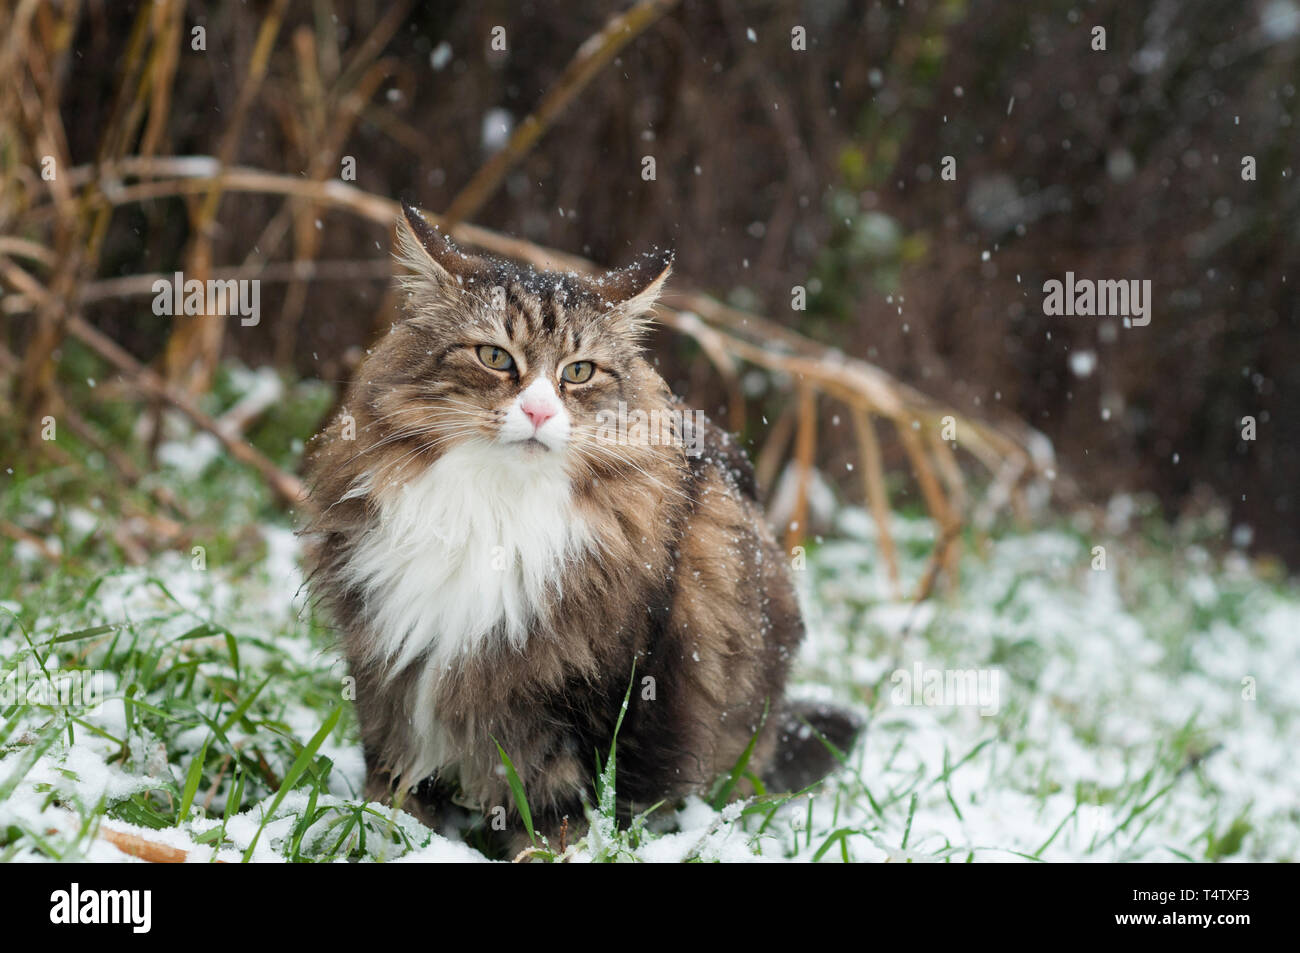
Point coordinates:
[[778, 168]]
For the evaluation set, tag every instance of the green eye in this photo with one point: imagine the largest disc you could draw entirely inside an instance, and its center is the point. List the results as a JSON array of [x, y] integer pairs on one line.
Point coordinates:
[[578, 372], [495, 358]]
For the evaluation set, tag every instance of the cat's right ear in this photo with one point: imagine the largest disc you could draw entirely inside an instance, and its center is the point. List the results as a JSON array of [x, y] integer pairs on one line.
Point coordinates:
[[429, 253], [633, 290]]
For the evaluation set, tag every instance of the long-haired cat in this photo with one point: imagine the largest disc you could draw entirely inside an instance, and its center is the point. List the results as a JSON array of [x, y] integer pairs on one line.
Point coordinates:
[[498, 558]]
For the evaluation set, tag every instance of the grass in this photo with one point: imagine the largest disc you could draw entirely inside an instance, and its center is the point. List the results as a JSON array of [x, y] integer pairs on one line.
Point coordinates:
[[1140, 711]]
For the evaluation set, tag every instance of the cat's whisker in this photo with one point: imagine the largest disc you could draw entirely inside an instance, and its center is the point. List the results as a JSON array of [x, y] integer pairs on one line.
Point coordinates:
[[399, 436], [441, 433], [425, 448], [431, 402], [463, 409], [623, 459], [462, 403]]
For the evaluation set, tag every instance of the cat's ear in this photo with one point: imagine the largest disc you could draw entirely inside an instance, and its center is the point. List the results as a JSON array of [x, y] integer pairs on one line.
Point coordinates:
[[631, 292], [429, 253]]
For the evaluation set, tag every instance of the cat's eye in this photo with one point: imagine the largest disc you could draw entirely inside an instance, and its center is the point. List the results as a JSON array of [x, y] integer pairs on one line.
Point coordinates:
[[496, 358], [578, 372]]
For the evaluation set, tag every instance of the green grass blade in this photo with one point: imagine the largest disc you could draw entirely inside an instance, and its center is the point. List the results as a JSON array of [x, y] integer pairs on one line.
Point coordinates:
[[517, 791], [738, 769], [300, 765], [192, 779]]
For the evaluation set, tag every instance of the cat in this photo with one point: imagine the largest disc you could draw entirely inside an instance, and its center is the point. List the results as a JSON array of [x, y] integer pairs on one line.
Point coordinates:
[[503, 573]]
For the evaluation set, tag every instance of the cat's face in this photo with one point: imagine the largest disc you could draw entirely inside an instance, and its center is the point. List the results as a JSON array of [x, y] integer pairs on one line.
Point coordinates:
[[522, 362], [531, 370]]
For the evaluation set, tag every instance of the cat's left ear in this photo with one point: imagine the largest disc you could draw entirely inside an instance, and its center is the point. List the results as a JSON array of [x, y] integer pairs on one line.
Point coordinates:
[[631, 292]]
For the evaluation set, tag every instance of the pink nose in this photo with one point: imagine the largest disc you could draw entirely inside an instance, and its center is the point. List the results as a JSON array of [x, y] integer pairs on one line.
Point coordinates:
[[538, 411]]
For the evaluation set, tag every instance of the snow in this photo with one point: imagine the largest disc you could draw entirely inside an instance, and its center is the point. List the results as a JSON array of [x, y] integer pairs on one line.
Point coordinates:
[[1094, 702], [1160, 681]]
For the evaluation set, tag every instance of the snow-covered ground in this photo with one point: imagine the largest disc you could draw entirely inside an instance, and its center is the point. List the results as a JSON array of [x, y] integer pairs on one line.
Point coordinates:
[[1038, 708], [1138, 712]]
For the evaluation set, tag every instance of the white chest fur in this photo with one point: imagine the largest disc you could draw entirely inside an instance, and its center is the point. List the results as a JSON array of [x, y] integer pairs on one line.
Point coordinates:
[[471, 550]]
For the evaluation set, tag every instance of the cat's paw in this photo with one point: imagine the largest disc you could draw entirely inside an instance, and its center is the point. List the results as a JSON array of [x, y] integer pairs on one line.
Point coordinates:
[[806, 734]]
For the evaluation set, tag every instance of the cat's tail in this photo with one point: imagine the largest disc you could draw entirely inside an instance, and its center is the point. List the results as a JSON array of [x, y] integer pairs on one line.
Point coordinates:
[[812, 740]]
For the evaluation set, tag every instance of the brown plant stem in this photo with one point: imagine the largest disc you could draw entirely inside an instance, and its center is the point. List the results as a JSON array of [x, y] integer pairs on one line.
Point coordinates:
[[590, 59]]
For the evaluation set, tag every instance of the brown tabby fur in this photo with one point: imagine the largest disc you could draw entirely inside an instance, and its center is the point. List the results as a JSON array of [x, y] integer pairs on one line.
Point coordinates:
[[687, 581]]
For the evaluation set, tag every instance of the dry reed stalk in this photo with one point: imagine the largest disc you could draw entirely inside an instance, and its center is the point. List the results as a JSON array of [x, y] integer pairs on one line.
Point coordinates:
[[194, 347], [727, 335], [877, 496], [805, 447], [587, 62], [286, 486]]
